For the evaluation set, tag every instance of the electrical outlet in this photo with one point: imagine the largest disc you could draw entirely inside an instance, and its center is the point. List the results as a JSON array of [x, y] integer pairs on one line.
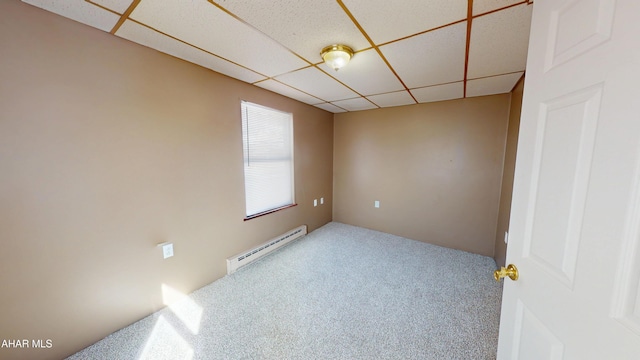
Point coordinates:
[[167, 250], [315, 202], [376, 203]]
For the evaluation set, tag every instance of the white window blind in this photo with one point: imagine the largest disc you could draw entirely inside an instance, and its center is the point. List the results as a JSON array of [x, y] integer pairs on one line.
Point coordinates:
[[267, 137]]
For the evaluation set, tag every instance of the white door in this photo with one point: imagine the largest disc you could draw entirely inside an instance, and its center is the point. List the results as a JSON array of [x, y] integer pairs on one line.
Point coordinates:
[[575, 219]]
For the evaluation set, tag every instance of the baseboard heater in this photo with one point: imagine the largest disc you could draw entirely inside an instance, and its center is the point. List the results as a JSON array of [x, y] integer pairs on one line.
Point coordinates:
[[242, 259]]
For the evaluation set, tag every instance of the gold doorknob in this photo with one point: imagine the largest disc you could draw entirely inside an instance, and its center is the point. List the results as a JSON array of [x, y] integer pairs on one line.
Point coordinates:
[[511, 271]]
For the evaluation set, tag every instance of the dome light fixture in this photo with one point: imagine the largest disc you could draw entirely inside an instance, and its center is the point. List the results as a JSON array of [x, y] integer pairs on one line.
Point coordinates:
[[336, 56]]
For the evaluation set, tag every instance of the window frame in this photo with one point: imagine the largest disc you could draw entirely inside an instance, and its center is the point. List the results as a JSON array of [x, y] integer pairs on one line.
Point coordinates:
[[246, 159]]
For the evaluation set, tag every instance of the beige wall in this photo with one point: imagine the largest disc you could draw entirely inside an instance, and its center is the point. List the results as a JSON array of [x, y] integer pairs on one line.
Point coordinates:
[[435, 168], [108, 148], [504, 213]]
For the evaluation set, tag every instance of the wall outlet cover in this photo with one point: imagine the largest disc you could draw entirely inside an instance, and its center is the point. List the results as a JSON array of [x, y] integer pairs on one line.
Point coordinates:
[[167, 250]]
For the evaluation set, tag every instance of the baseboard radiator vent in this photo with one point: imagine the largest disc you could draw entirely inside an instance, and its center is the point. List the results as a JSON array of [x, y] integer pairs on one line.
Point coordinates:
[[242, 259]]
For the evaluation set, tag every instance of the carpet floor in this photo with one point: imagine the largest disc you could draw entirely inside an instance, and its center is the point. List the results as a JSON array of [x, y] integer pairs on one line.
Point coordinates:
[[341, 292]]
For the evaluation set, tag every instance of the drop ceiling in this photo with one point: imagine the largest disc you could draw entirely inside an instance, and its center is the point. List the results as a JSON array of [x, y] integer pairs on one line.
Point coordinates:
[[407, 51]]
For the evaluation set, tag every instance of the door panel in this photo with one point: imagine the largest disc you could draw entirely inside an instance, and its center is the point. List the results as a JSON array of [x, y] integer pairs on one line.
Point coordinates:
[[576, 27], [535, 341], [626, 308], [566, 129]]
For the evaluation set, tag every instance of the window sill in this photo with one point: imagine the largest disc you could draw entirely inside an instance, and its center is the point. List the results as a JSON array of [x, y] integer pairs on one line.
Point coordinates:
[[269, 212]]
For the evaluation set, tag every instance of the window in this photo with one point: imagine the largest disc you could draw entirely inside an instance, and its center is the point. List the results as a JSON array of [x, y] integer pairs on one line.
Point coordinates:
[[267, 138]]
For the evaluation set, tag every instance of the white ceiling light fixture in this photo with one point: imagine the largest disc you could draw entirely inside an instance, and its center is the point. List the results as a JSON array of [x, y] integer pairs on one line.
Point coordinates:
[[336, 56]]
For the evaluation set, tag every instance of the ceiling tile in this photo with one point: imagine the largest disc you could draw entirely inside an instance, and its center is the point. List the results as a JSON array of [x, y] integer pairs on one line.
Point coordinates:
[[303, 26], [119, 6], [315, 82], [367, 74], [80, 11], [385, 20], [355, 104], [202, 24], [499, 42], [397, 98], [439, 92], [287, 91], [330, 107], [436, 57], [492, 85], [484, 6], [148, 37]]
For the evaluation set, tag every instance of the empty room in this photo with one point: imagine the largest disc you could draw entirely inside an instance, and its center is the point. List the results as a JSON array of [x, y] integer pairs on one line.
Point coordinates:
[[350, 179]]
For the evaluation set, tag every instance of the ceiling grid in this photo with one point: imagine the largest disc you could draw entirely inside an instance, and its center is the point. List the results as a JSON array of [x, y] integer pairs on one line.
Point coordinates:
[[406, 52], [124, 17], [468, 43]]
